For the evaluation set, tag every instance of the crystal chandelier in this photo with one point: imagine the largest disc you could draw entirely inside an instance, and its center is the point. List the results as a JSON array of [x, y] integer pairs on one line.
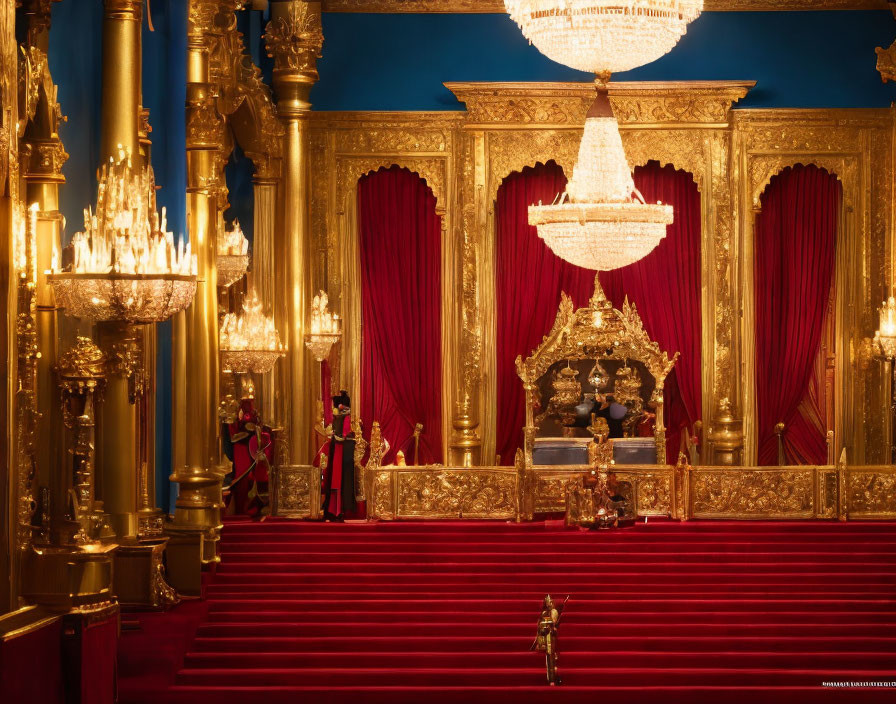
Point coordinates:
[[602, 222], [325, 328], [232, 259], [249, 341], [601, 36], [124, 264]]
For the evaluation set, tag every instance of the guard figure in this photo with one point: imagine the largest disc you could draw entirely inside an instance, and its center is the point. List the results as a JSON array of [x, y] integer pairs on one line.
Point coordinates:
[[546, 638]]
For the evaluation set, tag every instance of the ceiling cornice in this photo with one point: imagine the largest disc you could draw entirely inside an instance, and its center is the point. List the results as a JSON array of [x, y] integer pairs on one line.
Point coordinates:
[[494, 6]]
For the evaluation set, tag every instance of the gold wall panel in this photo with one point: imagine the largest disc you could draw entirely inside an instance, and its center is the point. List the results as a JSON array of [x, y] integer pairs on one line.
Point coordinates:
[[295, 491], [870, 492], [443, 493]]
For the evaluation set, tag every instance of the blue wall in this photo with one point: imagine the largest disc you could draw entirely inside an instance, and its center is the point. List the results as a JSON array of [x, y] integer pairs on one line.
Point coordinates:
[[800, 59]]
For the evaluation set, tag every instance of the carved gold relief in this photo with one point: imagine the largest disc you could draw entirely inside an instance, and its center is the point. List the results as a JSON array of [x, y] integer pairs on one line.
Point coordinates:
[[871, 492], [752, 493], [296, 491], [458, 494]]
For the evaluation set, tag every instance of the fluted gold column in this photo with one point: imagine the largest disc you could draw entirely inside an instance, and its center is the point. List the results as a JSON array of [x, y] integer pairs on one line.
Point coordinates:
[[117, 441], [263, 274], [294, 39], [197, 509]]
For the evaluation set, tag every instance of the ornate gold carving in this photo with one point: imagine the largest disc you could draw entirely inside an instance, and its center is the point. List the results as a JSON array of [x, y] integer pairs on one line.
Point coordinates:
[[871, 492], [654, 495], [497, 6], [412, 492], [296, 491], [295, 40], [458, 494], [752, 493], [430, 169]]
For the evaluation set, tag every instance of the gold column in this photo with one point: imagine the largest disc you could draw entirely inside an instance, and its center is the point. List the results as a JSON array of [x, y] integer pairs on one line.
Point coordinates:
[[42, 157], [117, 443], [263, 274], [294, 39], [196, 455]]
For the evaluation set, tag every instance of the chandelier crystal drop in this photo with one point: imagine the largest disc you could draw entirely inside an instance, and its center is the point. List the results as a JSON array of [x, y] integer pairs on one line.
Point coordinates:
[[249, 341], [603, 36], [325, 328], [124, 265]]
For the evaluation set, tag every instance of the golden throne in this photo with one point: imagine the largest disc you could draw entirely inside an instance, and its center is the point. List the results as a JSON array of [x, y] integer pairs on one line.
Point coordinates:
[[600, 350]]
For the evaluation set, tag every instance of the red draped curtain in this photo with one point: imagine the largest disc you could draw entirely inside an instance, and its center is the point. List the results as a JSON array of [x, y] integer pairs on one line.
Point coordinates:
[[401, 346], [795, 243], [666, 288], [529, 279]]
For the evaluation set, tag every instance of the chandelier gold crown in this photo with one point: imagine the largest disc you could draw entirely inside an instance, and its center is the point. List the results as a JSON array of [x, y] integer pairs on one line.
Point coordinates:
[[602, 222], [124, 264]]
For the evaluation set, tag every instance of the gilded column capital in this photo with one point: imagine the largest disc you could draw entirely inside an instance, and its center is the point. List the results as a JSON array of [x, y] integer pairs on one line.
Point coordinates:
[[294, 39], [42, 160], [131, 10]]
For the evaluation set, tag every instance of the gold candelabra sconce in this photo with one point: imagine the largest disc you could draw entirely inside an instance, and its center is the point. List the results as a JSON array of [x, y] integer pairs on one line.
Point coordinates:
[[884, 348], [325, 329], [232, 260]]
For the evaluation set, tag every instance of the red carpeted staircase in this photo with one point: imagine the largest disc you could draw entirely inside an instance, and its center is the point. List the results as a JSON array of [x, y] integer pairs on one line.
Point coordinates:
[[445, 612]]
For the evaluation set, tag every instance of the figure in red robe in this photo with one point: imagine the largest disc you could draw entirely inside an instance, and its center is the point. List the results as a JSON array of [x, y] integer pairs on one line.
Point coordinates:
[[250, 447], [338, 477]]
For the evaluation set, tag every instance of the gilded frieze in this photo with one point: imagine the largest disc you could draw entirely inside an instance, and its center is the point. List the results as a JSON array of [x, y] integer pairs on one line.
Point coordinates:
[[871, 492], [484, 494], [296, 491], [742, 493]]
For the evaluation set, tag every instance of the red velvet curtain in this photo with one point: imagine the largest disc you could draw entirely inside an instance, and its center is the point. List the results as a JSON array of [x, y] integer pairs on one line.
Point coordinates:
[[796, 235], [666, 286], [401, 347], [528, 279]]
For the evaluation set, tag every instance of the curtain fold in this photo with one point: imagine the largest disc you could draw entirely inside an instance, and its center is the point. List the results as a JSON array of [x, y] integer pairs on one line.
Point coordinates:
[[795, 243], [666, 288], [529, 279], [401, 361]]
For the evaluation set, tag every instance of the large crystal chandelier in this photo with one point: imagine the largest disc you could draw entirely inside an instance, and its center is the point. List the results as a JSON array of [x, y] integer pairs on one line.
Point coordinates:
[[249, 341], [602, 221], [124, 265], [324, 330]]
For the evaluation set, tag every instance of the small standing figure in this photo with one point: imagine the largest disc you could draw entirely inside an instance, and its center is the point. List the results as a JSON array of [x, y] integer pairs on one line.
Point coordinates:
[[338, 487], [249, 445], [546, 638]]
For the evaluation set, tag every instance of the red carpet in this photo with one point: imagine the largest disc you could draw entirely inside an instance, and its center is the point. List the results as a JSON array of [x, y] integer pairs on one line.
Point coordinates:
[[445, 612]]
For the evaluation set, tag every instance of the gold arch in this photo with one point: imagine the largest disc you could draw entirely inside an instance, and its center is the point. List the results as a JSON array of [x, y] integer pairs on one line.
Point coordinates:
[[851, 249]]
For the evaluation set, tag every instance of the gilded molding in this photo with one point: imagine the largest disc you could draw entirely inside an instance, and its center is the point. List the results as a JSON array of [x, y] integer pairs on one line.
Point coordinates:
[[566, 104], [497, 6], [752, 493]]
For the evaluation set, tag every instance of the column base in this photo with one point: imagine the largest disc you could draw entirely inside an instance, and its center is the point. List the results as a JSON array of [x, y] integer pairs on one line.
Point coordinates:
[[140, 576]]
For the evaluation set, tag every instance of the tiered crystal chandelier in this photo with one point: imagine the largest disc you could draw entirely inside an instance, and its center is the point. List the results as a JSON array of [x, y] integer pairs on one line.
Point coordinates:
[[124, 264], [233, 255], [249, 341], [602, 221]]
